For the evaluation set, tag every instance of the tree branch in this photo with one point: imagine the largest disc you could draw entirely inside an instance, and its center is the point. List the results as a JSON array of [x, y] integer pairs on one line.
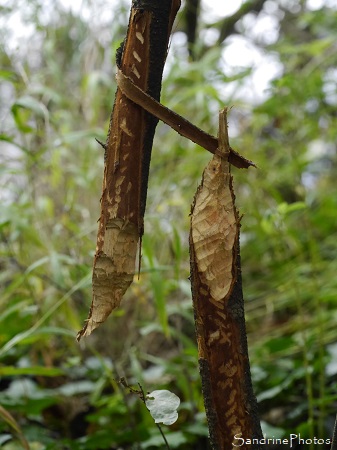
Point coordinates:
[[177, 122], [127, 158]]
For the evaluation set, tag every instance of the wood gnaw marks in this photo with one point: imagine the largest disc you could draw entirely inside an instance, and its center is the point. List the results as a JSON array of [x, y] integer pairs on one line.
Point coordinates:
[[215, 229], [136, 56], [215, 222], [114, 268], [140, 37]]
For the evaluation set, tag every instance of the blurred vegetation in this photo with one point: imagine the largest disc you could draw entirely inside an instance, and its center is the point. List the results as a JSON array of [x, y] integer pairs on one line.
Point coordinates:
[[57, 90]]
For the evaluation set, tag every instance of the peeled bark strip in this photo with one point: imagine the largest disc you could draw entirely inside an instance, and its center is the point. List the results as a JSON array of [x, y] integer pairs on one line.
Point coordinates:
[[218, 307], [127, 158]]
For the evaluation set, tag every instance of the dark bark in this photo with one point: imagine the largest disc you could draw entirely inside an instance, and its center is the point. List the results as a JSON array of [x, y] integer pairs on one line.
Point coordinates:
[[158, 17], [127, 157], [230, 403]]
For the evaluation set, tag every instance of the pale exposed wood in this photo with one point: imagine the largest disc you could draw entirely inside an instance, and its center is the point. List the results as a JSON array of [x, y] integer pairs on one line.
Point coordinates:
[[113, 272], [215, 223], [214, 230]]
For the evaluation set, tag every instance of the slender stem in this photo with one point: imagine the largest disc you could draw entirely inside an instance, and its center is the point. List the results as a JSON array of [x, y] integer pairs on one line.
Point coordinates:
[[177, 122], [163, 436], [143, 398]]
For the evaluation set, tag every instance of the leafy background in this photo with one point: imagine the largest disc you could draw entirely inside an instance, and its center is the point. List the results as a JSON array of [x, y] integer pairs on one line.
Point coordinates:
[[57, 90]]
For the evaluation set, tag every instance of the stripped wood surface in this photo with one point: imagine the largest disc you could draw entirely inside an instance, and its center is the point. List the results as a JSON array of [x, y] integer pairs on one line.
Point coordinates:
[[215, 222]]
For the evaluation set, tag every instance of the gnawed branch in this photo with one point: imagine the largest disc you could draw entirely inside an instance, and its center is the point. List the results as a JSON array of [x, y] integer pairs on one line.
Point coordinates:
[[127, 158], [230, 404]]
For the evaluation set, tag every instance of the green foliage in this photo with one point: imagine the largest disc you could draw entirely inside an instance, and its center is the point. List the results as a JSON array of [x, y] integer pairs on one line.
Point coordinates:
[[57, 90]]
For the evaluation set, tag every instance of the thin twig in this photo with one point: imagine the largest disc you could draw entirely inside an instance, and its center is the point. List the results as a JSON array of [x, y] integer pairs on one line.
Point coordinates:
[[141, 394], [163, 436], [177, 122], [143, 397]]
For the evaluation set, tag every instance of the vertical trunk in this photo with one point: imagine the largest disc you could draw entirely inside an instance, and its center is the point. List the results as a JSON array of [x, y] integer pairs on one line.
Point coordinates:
[[127, 158], [230, 404]]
